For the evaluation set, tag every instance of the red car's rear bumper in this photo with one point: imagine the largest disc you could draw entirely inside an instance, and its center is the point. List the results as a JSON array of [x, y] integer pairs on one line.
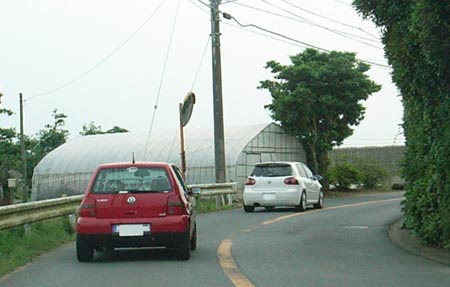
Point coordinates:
[[168, 231], [168, 224]]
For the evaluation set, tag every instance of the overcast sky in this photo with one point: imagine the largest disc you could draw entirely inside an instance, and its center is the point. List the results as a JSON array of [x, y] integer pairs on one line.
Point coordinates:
[[111, 62]]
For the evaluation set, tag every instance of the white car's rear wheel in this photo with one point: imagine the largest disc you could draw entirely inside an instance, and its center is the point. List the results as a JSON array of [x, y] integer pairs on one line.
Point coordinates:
[[319, 203], [248, 208], [302, 204]]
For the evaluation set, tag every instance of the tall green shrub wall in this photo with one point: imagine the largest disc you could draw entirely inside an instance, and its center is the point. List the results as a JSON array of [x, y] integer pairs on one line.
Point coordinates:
[[416, 36]]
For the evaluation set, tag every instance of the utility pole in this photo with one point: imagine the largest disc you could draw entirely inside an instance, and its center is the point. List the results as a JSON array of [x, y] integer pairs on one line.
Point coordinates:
[[24, 158], [219, 134]]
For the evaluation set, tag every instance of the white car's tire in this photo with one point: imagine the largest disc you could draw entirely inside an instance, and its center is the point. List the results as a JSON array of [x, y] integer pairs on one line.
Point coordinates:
[[319, 203], [249, 208], [302, 204]]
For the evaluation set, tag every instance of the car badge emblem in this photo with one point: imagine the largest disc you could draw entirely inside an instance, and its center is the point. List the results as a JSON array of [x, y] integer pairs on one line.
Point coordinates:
[[131, 200]]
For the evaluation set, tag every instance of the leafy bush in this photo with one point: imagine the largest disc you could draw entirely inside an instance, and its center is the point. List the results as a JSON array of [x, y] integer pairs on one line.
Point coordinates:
[[372, 174], [344, 175]]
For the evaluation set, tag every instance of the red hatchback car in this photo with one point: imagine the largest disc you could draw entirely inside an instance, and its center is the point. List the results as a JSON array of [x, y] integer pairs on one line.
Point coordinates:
[[145, 204]]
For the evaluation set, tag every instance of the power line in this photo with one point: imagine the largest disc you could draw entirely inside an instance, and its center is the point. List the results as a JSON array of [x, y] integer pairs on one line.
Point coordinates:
[[162, 77], [201, 62], [229, 1], [330, 19], [102, 61], [228, 16], [206, 46], [252, 31], [266, 36], [207, 5], [309, 22], [306, 21], [198, 6], [344, 3]]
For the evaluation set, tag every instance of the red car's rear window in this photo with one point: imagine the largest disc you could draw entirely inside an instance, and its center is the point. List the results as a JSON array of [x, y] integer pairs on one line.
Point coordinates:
[[132, 180]]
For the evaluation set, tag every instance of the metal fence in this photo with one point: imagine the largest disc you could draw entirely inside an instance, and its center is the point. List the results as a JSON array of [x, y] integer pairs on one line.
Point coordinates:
[[23, 213]]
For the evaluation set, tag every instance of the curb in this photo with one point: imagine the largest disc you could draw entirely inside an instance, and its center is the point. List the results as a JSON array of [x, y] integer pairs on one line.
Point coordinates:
[[407, 241]]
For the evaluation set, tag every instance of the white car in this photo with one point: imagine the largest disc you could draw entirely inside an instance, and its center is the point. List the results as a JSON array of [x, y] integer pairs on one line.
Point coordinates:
[[272, 184]]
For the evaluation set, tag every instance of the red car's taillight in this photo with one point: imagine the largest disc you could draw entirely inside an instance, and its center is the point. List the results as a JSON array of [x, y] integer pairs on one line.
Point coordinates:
[[175, 205], [250, 181], [291, 181], [87, 208]]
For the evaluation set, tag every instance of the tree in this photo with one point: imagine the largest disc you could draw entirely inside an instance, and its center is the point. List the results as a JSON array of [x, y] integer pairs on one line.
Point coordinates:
[[116, 129], [92, 129], [10, 155], [35, 147], [52, 136], [416, 38], [318, 99]]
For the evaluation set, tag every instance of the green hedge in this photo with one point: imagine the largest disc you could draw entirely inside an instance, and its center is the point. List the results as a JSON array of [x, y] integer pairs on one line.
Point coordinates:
[[416, 35], [344, 175]]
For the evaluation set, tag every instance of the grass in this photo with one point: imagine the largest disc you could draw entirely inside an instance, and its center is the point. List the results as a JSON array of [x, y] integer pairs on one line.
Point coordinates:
[[18, 246], [205, 205]]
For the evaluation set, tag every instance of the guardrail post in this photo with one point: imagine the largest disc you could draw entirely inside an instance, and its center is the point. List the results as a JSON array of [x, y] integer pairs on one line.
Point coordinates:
[[73, 222], [27, 229]]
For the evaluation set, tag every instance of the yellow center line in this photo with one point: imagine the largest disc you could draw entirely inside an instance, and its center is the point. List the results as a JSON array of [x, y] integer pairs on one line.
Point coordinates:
[[229, 266], [226, 259]]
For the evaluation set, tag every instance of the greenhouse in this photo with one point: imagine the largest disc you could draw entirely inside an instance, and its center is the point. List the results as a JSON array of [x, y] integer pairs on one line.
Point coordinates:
[[67, 169]]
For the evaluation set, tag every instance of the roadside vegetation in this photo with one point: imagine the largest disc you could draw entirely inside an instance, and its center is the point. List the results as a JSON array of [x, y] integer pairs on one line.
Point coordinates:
[[206, 205], [18, 246], [36, 147], [346, 176], [416, 39]]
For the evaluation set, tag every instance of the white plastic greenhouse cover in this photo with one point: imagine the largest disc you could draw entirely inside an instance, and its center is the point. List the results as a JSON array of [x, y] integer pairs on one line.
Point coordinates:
[[85, 153]]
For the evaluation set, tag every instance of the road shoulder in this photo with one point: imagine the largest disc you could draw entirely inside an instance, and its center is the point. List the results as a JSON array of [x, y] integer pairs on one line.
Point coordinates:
[[406, 240]]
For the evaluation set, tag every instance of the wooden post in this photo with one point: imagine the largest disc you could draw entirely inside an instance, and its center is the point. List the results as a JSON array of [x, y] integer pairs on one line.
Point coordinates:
[[24, 158], [183, 152]]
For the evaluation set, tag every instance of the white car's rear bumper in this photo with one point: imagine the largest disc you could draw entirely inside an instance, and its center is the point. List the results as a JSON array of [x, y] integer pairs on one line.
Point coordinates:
[[290, 197]]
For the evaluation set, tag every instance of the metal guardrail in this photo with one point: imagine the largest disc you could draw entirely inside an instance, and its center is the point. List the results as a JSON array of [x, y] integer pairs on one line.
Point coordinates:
[[212, 189], [23, 213]]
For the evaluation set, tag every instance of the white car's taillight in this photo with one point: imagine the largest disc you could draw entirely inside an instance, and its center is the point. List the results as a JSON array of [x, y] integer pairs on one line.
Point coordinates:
[[291, 181], [250, 181]]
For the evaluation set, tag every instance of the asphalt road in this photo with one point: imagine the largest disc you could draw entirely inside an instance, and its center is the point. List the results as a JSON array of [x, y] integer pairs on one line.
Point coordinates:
[[344, 244]]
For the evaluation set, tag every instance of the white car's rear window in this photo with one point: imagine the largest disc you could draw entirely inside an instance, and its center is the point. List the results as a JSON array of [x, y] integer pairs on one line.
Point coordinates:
[[272, 170]]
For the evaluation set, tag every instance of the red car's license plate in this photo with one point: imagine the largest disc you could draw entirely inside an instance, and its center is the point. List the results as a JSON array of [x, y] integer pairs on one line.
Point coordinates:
[[131, 229]]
